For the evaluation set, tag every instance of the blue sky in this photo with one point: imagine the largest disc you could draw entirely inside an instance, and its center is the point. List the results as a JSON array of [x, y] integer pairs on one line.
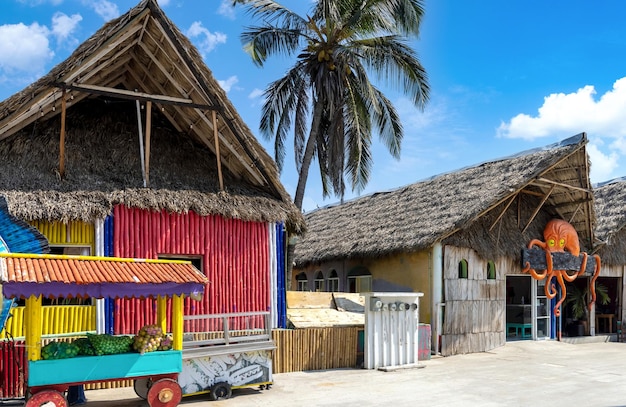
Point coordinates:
[[506, 76]]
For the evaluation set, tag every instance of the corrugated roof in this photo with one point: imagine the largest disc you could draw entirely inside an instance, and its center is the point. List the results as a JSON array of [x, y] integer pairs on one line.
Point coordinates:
[[58, 275]]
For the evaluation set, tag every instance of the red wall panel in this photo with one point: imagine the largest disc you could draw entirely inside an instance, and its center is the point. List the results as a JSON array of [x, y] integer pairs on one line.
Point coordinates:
[[234, 256]]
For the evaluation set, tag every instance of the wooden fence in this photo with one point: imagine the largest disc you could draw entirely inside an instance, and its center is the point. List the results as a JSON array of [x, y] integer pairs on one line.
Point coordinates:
[[315, 348], [296, 350]]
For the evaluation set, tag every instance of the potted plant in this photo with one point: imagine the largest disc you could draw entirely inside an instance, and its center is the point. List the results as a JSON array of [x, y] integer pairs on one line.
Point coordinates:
[[579, 299]]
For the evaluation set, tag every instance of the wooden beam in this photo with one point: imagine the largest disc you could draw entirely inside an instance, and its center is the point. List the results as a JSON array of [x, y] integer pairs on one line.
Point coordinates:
[[566, 186], [217, 150], [503, 212], [62, 136], [148, 131], [536, 257], [141, 150], [571, 219], [132, 95], [538, 208]]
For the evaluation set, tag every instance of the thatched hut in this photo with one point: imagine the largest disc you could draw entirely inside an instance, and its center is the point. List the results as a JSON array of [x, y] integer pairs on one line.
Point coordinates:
[[130, 148], [610, 205], [457, 238]]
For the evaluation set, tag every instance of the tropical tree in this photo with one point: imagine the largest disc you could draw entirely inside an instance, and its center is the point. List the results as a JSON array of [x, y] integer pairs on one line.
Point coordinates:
[[327, 97]]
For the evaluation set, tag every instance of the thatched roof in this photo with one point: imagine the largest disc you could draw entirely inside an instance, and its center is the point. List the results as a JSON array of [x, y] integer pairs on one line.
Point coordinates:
[[528, 188], [139, 56], [610, 205]]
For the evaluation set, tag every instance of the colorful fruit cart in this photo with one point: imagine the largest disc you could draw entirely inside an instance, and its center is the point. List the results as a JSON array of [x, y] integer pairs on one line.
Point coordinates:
[[223, 352], [33, 277]]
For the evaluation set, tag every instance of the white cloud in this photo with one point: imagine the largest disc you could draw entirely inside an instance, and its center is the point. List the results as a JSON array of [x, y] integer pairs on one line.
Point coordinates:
[[602, 165], [568, 114], [24, 48], [226, 9], [163, 3], [63, 26], [256, 93], [563, 115], [207, 41], [105, 9], [228, 83]]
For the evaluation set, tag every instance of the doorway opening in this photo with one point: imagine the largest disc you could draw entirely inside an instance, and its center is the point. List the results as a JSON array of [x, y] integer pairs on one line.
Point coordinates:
[[519, 324], [576, 316]]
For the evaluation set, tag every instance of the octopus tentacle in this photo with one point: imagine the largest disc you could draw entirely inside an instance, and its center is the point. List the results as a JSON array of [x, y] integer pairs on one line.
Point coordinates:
[[596, 273], [567, 277], [557, 307], [583, 265], [536, 276], [550, 288]]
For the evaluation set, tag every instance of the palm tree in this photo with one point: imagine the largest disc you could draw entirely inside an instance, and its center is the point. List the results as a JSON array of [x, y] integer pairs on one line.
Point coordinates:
[[326, 96]]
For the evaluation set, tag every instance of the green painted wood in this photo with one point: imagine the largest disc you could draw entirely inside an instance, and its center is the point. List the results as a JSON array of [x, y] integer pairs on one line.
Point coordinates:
[[84, 369]]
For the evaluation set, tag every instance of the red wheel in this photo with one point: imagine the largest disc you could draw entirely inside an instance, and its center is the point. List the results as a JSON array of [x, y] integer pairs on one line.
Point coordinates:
[[47, 398], [141, 387], [164, 393]]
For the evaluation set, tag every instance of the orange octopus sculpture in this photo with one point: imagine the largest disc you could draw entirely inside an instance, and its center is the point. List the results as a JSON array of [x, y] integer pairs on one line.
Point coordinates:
[[560, 236]]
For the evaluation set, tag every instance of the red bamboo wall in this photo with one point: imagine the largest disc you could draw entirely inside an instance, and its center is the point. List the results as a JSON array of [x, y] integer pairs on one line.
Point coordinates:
[[234, 257], [12, 369]]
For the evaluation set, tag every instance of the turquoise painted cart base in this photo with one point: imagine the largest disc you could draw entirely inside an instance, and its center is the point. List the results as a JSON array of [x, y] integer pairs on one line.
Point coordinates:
[[85, 369]]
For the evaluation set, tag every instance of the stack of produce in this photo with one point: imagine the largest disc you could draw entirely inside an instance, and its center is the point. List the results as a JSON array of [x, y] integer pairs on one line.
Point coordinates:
[[85, 348], [105, 344], [148, 339], [166, 343], [59, 350]]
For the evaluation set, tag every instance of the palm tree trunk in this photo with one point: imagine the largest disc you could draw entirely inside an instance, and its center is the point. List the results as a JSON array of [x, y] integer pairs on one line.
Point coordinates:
[[308, 155], [303, 176]]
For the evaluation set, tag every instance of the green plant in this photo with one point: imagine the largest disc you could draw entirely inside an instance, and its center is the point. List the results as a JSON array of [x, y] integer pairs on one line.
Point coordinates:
[[579, 299]]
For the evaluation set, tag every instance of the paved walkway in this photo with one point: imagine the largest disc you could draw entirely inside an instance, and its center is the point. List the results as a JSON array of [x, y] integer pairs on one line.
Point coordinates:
[[525, 373]]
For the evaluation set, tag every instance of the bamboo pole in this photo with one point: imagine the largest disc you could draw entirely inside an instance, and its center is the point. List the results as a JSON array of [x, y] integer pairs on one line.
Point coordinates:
[[217, 150], [33, 327], [62, 136], [141, 153], [148, 131], [177, 322]]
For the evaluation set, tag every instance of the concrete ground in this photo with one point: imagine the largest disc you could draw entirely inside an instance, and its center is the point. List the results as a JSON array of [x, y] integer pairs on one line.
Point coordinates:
[[524, 373]]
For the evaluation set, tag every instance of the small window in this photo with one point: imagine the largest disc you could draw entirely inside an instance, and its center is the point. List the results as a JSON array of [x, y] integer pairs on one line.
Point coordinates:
[[491, 270], [333, 282], [463, 269], [302, 282], [319, 282], [359, 280]]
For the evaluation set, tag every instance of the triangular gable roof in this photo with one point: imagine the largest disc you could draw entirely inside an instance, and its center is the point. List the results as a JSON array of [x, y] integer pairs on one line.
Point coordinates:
[[143, 56], [610, 206], [415, 217]]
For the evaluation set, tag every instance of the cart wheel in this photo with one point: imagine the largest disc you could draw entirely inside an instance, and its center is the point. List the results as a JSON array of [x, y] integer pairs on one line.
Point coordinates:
[[164, 393], [220, 391], [141, 387], [47, 398]]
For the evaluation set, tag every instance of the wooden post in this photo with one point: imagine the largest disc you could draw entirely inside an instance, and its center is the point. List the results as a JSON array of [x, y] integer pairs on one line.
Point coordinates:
[[177, 322], [33, 327], [62, 137], [217, 151], [148, 130]]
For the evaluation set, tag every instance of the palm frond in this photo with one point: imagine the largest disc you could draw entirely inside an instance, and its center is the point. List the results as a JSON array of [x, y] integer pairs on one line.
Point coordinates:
[[260, 42], [396, 63]]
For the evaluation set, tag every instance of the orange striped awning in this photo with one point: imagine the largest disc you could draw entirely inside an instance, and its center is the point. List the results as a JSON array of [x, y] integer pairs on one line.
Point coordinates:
[[23, 275]]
